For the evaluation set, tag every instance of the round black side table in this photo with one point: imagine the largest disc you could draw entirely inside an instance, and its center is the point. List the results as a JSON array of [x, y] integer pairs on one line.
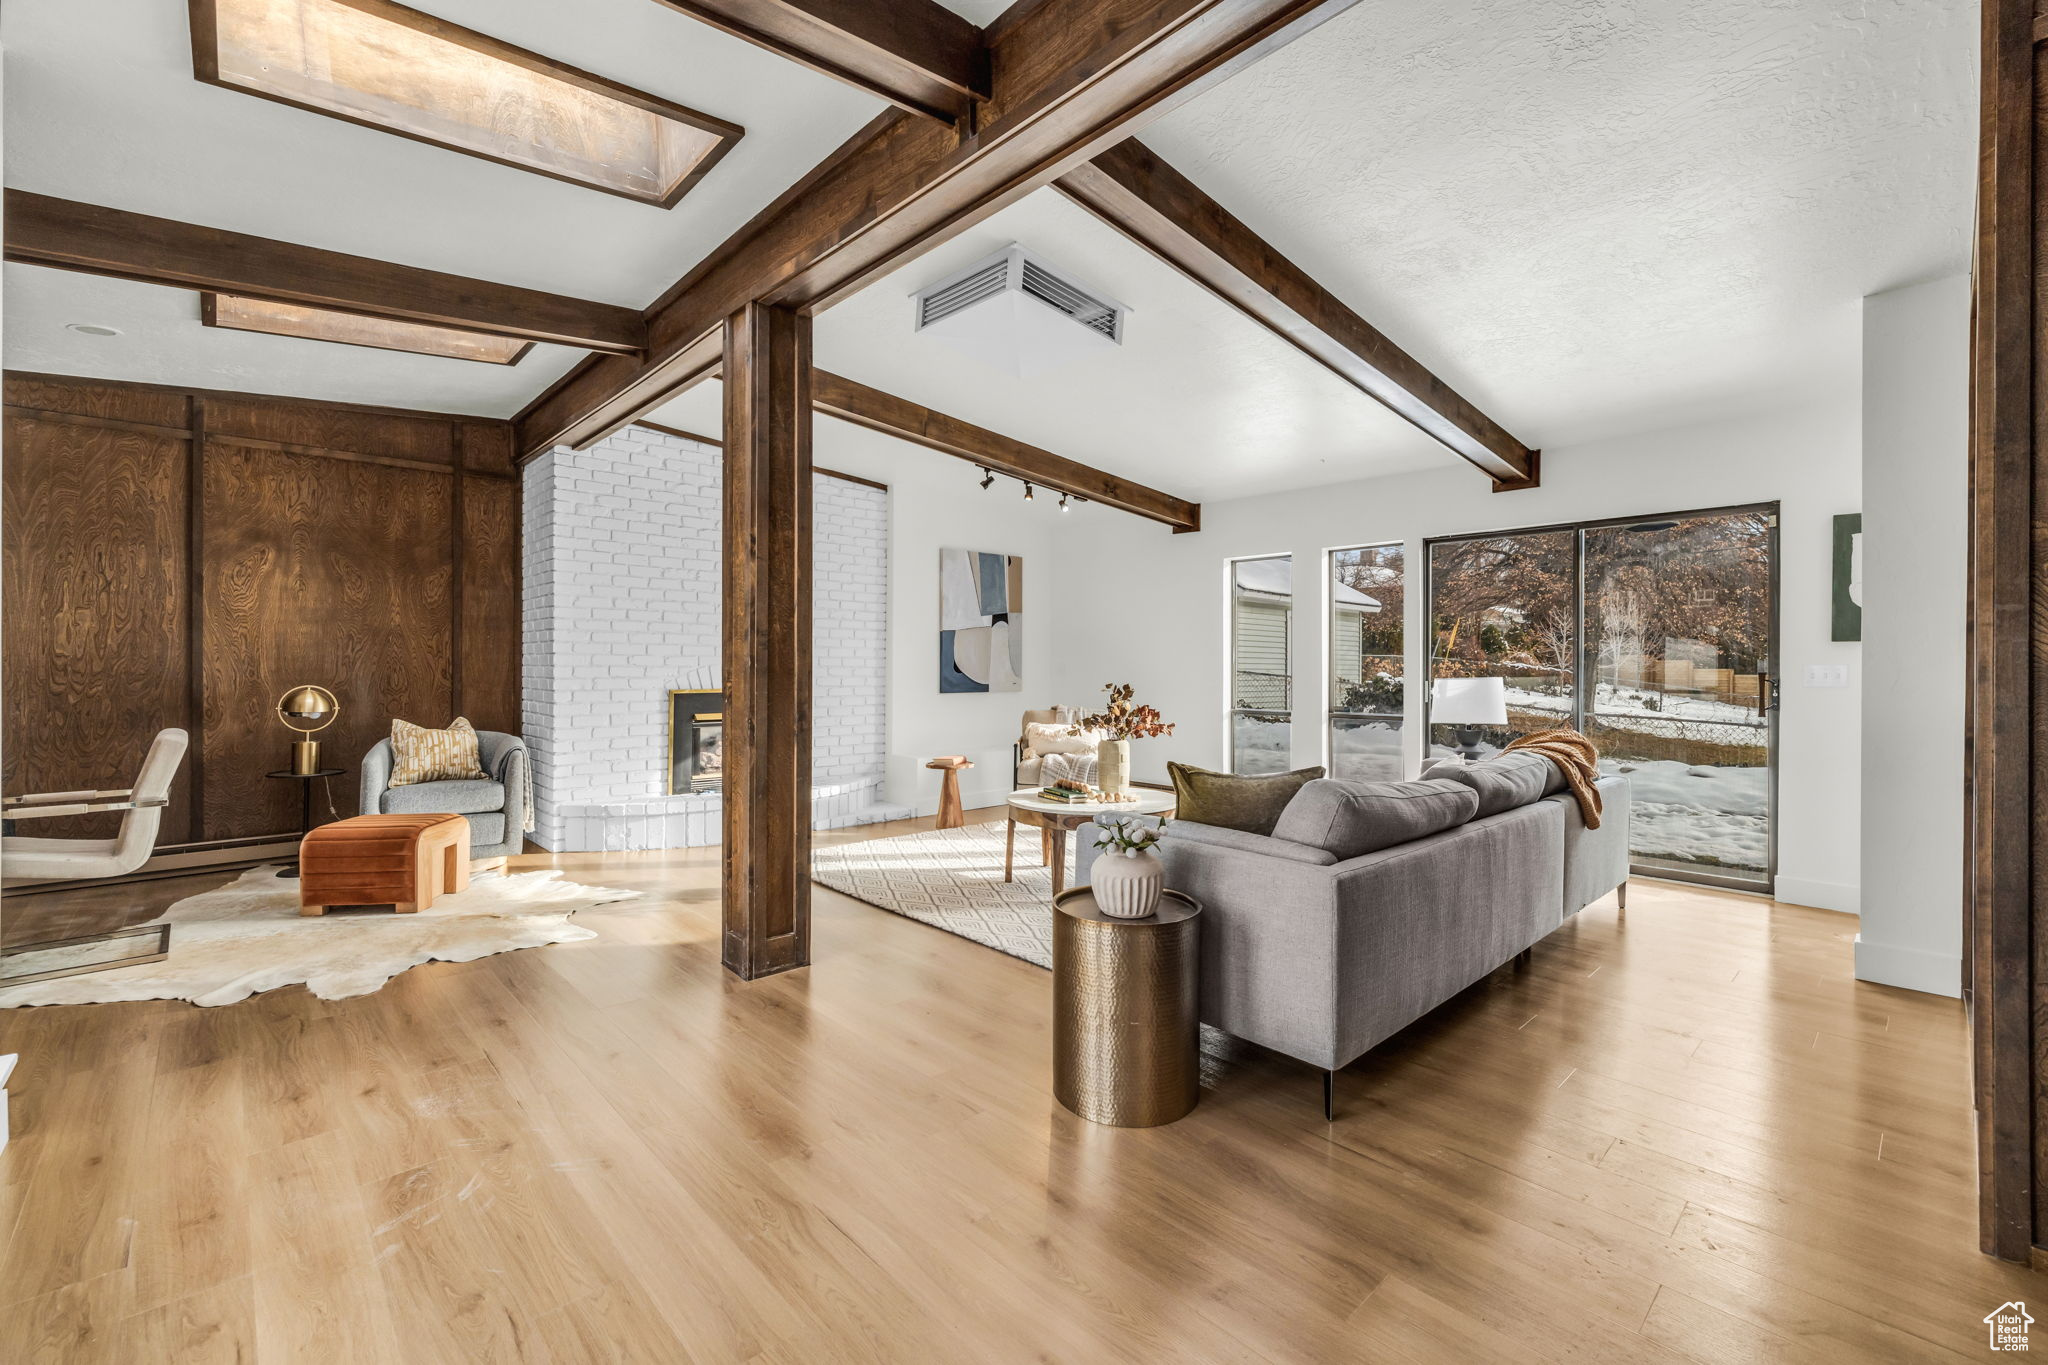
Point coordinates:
[[305, 781]]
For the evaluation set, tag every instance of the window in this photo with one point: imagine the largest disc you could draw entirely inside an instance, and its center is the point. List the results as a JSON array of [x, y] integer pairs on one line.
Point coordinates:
[[1653, 636], [1261, 680], [386, 66], [324, 324], [1366, 604]]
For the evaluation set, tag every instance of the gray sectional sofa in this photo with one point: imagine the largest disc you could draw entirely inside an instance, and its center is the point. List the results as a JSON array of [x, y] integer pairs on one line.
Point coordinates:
[[1371, 904]]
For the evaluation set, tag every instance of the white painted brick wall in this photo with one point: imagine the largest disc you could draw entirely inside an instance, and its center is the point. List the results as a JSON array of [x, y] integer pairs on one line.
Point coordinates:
[[850, 630], [622, 571]]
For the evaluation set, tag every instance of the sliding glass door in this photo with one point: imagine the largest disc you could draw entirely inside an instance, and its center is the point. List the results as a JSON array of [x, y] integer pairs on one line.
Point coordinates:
[[1678, 638], [1654, 636]]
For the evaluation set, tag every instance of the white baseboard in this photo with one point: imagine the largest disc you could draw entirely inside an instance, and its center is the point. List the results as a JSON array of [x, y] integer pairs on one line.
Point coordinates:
[[971, 798], [1843, 896], [1914, 969]]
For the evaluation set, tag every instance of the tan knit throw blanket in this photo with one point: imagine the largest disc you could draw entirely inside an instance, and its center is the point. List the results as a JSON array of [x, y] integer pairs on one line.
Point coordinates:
[[1576, 758]]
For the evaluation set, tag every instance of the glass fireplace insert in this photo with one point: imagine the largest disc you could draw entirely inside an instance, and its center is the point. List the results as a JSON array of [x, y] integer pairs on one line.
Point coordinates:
[[696, 726]]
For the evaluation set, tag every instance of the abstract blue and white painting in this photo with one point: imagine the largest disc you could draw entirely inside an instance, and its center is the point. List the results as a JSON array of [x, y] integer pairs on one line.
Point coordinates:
[[981, 630]]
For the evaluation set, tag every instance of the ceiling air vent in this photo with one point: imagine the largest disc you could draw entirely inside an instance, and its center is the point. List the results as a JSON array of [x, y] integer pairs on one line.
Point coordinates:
[[1017, 313]]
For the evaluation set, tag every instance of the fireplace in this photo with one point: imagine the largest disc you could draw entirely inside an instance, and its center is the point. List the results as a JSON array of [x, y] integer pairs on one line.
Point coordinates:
[[696, 749]]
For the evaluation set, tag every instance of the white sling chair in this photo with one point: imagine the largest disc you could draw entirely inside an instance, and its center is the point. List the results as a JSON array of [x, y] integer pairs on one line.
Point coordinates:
[[141, 807]]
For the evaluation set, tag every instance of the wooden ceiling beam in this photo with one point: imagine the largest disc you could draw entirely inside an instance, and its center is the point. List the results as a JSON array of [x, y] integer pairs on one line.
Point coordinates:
[[852, 401], [68, 235], [1133, 190], [1068, 79], [916, 54]]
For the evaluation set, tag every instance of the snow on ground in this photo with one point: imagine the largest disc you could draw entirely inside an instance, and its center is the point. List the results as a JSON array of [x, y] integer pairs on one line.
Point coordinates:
[[1366, 751], [1617, 705], [1697, 813], [1262, 746]]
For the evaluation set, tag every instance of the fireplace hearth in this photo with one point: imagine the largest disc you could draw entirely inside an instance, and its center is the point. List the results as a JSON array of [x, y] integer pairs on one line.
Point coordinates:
[[696, 748]]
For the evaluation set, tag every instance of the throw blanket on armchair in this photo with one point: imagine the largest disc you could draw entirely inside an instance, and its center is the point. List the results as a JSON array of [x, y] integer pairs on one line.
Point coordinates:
[[1575, 757], [1076, 767]]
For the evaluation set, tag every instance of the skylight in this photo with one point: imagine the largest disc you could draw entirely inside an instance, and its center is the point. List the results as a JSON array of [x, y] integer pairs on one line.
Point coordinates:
[[386, 66], [323, 324]]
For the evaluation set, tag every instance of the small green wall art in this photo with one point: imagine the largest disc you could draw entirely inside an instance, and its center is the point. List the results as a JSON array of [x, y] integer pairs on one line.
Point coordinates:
[[1848, 577], [981, 627]]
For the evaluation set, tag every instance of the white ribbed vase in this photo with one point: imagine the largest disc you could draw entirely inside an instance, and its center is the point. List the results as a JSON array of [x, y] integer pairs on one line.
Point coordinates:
[[1113, 768], [1127, 887]]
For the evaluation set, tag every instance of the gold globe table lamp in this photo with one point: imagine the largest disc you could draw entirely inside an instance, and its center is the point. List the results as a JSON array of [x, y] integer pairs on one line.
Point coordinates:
[[307, 709]]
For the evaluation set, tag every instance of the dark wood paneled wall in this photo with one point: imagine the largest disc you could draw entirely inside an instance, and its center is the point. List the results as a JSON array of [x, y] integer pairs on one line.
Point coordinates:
[[180, 557]]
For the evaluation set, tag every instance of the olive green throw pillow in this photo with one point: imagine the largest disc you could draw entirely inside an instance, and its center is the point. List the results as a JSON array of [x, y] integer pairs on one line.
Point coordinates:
[[1252, 804]]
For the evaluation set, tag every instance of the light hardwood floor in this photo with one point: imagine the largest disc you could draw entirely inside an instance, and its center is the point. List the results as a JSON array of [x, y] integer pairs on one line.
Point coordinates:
[[1681, 1135]]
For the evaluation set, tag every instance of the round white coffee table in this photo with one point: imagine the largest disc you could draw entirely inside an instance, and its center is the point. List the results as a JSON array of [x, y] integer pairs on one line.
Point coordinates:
[[1058, 818]]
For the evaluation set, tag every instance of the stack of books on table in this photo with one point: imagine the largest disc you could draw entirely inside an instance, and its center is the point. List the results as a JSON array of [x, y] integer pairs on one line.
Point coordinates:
[[1076, 793]]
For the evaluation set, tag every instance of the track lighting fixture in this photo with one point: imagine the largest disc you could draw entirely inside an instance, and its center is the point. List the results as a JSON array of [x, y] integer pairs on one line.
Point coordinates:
[[1067, 500]]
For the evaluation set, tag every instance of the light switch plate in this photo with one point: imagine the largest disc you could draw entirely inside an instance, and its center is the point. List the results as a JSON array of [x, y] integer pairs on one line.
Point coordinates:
[[1827, 675]]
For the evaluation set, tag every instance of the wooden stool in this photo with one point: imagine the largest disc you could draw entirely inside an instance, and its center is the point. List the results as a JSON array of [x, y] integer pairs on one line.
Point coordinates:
[[403, 861], [951, 815]]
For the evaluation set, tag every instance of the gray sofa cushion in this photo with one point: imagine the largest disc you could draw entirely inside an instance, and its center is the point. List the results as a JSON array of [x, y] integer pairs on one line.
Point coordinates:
[[1442, 767], [1347, 819], [487, 832], [1216, 836], [469, 797], [1504, 781]]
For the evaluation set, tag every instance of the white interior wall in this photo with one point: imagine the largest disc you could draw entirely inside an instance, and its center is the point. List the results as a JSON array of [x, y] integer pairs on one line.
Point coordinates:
[[1165, 630], [1915, 542], [934, 503]]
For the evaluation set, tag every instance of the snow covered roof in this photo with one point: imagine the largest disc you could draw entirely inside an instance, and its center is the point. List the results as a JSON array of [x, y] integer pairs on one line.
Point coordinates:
[[1269, 578]]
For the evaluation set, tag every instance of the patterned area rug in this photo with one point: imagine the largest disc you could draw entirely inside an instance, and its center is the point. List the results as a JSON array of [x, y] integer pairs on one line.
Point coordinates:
[[248, 936], [952, 879]]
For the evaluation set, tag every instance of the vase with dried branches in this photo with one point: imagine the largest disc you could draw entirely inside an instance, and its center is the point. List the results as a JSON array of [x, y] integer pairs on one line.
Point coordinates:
[[1118, 724]]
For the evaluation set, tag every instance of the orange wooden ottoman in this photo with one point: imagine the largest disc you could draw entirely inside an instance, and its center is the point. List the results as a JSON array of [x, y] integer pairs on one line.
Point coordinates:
[[403, 861]]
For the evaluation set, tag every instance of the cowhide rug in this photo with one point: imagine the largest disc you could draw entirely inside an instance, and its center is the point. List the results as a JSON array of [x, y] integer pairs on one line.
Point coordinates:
[[248, 937]]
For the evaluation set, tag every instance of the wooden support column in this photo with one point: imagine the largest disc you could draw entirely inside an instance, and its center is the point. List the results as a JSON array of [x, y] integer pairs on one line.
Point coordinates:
[[767, 782], [2005, 876]]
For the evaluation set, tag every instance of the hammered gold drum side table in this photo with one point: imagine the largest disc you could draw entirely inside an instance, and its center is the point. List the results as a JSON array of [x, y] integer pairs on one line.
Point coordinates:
[[1124, 1040]]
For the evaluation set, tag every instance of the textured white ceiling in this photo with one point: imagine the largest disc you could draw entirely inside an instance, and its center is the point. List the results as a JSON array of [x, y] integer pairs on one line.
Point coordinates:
[[1601, 216], [1591, 216], [1198, 400], [1593, 219], [101, 106]]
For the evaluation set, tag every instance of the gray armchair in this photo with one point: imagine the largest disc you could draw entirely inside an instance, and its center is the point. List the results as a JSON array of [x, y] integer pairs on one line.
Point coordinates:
[[495, 806]]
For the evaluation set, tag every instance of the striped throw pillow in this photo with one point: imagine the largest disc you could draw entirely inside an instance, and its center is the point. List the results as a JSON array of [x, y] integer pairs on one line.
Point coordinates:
[[422, 755]]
